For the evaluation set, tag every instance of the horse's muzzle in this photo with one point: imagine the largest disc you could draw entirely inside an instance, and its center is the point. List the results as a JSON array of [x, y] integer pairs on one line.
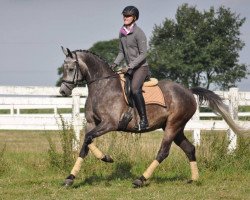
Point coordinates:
[[65, 90], [63, 93]]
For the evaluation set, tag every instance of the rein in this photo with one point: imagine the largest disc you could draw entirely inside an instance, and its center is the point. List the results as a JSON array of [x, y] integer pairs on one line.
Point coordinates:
[[102, 78]]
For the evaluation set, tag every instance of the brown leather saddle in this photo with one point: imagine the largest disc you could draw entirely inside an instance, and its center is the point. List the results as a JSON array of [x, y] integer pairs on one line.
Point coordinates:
[[151, 91]]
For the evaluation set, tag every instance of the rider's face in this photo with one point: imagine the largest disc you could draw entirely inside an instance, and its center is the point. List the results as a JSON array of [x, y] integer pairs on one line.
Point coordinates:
[[128, 19]]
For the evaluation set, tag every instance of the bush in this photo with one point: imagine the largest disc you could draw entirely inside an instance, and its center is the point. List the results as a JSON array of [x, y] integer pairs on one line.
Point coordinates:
[[3, 163], [213, 153], [63, 159]]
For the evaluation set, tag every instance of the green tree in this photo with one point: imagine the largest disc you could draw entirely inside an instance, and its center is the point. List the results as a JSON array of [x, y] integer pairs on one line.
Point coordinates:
[[108, 50], [59, 72], [199, 48]]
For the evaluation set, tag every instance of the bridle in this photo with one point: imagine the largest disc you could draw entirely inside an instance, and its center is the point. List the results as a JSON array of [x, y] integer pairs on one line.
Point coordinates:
[[76, 74]]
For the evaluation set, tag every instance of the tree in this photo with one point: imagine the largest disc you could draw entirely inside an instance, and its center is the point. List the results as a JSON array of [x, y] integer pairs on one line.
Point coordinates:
[[199, 48], [108, 50], [59, 72]]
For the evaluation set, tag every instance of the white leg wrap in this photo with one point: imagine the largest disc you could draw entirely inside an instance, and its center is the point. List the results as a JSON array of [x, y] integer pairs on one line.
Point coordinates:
[[77, 166], [151, 169], [97, 153], [194, 171]]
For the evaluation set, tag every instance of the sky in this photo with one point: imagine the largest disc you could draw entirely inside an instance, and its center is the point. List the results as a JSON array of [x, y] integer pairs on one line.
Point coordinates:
[[33, 31]]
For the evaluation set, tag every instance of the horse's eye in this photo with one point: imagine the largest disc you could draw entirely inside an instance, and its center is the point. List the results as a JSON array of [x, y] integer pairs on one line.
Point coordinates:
[[71, 69]]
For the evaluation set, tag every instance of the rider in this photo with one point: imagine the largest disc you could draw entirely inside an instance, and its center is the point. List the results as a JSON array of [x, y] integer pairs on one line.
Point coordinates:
[[133, 48]]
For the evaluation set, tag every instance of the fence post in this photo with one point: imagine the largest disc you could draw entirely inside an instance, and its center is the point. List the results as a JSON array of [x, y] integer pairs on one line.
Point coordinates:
[[12, 110], [76, 118], [196, 118], [233, 109]]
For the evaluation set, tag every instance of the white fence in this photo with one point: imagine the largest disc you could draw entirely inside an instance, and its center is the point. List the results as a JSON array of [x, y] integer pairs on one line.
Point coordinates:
[[15, 99]]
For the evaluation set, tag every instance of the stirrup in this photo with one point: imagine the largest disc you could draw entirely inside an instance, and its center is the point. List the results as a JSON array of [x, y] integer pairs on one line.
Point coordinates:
[[138, 127]]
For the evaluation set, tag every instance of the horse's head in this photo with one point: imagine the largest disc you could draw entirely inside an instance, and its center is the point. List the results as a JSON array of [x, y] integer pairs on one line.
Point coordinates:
[[83, 65], [72, 74]]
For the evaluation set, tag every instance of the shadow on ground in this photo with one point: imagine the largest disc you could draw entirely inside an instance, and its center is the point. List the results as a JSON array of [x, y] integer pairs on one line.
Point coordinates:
[[123, 172]]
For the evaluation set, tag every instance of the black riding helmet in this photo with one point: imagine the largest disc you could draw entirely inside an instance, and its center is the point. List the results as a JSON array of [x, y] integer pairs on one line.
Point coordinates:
[[131, 10]]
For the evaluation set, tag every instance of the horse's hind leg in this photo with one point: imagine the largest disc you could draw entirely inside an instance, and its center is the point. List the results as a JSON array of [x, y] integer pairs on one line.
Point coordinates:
[[162, 154], [189, 150]]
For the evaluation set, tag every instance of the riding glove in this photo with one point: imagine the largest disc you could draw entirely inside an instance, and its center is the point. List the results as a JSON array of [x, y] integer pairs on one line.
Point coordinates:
[[129, 72]]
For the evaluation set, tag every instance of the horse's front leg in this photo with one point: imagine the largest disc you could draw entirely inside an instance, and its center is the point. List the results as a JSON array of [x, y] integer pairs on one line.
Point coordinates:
[[96, 152], [99, 155], [88, 144]]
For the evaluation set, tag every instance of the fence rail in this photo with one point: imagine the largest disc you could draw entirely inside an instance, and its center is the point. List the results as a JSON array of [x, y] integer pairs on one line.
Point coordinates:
[[14, 100]]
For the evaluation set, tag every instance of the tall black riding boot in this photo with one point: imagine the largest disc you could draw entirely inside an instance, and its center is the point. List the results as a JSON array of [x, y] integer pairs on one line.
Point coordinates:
[[141, 108]]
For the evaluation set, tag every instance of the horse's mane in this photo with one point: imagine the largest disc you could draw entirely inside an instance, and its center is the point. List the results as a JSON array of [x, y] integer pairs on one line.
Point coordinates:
[[92, 54]]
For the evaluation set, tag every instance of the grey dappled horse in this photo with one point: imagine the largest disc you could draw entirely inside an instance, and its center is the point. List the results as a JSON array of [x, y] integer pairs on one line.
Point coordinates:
[[106, 105]]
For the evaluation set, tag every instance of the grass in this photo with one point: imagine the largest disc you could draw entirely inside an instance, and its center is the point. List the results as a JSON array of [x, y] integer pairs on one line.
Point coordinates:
[[27, 173]]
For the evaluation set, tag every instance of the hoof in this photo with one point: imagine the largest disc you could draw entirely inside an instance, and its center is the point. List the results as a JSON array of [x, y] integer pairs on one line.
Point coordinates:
[[68, 182], [138, 183], [190, 181], [193, 181], [196, 182], [108, 159]]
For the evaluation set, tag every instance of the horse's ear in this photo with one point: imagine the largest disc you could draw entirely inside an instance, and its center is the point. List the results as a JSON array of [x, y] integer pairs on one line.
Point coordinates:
[[69, 53], [64, 51]]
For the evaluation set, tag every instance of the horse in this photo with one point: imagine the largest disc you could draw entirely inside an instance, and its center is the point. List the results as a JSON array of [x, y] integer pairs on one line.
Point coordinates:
[[105, 106]]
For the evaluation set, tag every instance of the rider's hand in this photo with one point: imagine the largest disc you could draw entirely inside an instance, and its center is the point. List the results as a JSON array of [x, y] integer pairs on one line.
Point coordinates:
[[124, 70], [129, 72]]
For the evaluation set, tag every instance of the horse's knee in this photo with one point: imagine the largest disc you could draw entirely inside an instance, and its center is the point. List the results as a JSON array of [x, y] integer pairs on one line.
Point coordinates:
[[85, 149], [88, 139]]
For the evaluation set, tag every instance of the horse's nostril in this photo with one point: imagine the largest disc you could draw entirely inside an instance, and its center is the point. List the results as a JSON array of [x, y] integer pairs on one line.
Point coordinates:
[[62, 93]]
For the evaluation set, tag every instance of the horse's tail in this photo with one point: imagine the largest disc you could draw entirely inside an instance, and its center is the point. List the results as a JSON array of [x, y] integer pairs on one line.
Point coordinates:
[[217, 105]]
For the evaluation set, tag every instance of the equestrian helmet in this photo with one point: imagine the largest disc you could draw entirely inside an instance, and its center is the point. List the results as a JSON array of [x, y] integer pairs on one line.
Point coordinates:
[[131, 10]]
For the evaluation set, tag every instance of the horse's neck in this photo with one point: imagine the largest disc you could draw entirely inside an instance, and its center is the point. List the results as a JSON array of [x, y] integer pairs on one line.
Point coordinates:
[[99, 74], [97, 68]]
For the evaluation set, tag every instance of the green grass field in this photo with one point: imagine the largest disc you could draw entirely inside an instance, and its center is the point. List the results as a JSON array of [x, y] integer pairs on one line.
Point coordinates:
[[27, 170]]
